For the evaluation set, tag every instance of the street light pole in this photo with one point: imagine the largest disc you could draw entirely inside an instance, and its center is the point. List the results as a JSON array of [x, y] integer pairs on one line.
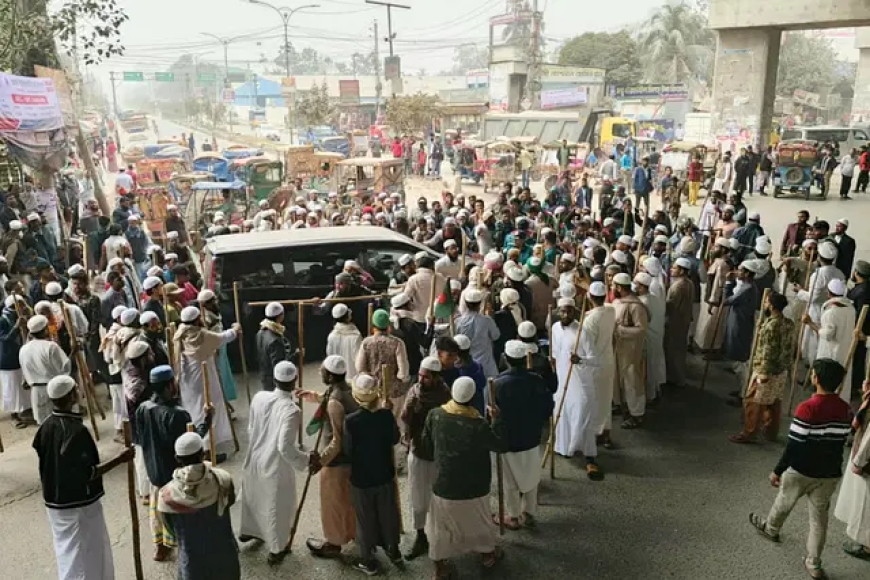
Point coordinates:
[[226, 43], [286, 14]]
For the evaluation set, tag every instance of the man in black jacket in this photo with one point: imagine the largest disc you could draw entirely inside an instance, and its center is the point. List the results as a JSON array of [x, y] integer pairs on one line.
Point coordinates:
[[272, 344], [860, 297], [743, 170], [845, 247]]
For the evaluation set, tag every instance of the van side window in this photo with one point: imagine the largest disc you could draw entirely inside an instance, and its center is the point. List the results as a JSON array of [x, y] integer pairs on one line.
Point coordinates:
[[258, 268], [381, 262], [314, 266], [859, 135]]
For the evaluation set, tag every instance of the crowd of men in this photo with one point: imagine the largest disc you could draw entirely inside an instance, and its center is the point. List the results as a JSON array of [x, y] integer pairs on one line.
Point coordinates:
[[528, 326]]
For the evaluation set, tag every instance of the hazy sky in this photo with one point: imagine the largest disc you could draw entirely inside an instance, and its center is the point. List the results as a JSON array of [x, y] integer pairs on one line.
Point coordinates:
[[161, 30]]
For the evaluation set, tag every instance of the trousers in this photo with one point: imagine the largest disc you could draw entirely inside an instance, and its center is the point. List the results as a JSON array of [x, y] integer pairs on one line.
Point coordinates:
[[794, 486], [517, 504]]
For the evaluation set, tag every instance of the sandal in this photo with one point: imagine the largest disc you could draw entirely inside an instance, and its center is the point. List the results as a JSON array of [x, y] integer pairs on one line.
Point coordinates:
[[815, 570], [491, 559], [509, 524], [856, 550], [527, 520], [594, 472], [760, 526], [631, 423], [742, 439]]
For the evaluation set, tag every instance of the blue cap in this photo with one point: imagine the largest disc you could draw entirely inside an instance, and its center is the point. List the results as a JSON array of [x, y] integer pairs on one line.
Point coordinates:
[[161, 374]]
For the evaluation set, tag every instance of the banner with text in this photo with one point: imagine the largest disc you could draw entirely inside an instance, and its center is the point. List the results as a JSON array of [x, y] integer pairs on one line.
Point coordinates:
[[677, 92], [559, 98], [28, 104]]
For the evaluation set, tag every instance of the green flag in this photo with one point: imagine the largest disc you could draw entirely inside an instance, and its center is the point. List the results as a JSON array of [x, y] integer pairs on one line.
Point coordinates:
[[444, 304]]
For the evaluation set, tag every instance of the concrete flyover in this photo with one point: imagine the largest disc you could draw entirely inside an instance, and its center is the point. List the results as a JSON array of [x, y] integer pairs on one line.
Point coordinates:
[[747, 55]]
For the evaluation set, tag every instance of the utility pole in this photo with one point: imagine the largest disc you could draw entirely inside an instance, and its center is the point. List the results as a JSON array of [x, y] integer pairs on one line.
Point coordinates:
[[226, 44], [533, 86], [379, 88], [390, 6]]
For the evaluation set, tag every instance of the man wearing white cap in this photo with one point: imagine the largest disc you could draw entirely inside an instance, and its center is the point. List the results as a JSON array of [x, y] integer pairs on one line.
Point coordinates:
[[345, 339], [632, 323], [460, 442], [679, 312], [449, 265], [174, 224], [845, 247], [269, 480], [15, 398], [273, 346], [41, 359], [139, 244], [741, 297], [71, 475], [213, 318], [481, 331], [835, 330], [654, 352], [405, 329], [706, 337], [419, 287], [195, 345], [405, 270], [153, 287], [427, 394], [817, 294], [525, 405]]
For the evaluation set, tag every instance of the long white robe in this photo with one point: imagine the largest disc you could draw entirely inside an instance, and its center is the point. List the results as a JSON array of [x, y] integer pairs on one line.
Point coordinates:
[[816, 295], [654, 345], [41, 360], [853, 503], [345, 340], [836, 327], [591, 384], [15, 398], [448, 268], [268, 493], [81, 543]]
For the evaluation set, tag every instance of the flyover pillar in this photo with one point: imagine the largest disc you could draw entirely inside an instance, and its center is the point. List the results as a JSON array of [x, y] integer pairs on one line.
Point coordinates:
[[744, 84], [861, 98]]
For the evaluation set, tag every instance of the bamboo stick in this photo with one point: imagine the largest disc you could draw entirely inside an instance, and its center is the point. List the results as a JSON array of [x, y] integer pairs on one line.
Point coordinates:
[[84, 374], [758, 325], [800, 340], [499, 468], [859, 325], [370, 314], [134, 509], [300, 330], [640, 243], [322, 300], [385, 393], [207, 396], [242, 342], [719, 315], [462, 256]]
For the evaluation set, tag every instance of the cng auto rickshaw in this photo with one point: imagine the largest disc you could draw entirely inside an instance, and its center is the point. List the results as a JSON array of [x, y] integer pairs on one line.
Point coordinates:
[[381, 174], [209, 197], [213, 163], [794, 167], [679, 154], [465, 158], [325, 178], [262, 176], [500, 164], [180, 184]]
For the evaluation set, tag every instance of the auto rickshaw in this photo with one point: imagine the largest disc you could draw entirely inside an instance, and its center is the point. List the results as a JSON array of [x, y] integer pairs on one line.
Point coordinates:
[[241, 152], [213, 163], [180, 184], [381, 174], [325, 178], [679, 154], [500, 164], [548, 167], [465, 159], [209, 197], [262, 176], [794, 169]]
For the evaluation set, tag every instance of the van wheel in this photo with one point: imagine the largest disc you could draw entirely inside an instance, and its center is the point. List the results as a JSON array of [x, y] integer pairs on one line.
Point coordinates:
[[776, 192]]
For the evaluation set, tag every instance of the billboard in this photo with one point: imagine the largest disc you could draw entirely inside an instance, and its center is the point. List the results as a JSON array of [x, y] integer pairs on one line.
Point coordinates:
[[64, 95], [559, 98], [348, 92], [477, 78], [553, 73], [28, 104]]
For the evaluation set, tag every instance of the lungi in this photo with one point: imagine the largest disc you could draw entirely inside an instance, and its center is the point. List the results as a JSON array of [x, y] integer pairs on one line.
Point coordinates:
[[40, 403], [377, 518], [522, 474], [161, 523], [421, 477], [81, 543], [459, 526], [707, 336], [336, 510], [143, 484], [15, 398], [119, 405]]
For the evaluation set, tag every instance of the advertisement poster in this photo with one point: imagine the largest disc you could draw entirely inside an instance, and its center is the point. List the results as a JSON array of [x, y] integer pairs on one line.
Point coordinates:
[[498, 91], [658, 129], [559, 98], [28, 104]]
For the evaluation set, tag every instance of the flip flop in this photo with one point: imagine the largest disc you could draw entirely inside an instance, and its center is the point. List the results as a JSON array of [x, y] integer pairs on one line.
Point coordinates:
[[856, 550], [593, 472], [508, 524], [760, 526], [493, 558], [630, 423]]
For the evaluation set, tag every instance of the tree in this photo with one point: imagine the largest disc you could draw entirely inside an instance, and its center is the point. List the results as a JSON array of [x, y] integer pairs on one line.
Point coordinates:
[[616, 52], [412, 113], [805, 63], [315, 107], [676, 45], [468, 57]]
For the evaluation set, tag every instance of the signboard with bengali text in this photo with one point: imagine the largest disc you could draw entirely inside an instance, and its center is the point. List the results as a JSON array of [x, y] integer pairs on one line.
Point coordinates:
[[29, 104]]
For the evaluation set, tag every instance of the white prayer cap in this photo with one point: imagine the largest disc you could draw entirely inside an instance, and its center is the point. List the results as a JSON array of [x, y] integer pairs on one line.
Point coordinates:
[[661, 228], [405, 259], [456, 285], [151, 282], [560, 209], [622, 279], [618, 256], [364, 388], [10, 301], [728, 207], [134, 218], [843, 221], [462, 341], [188, 444], [420, 255], [609, 221], [219, 215], [653, 266], [136, 349], [624, 239], [274, 309], [339, 310], [749, 265], [335, 364], [837, 287], [33, 216], [449, 221], [592, 242], [516, 274], [754, 216], [588, 253], [263, 203], [399, 300], [643, 279], [762, 247], [147, 317], [129, 316], [59, 386], [808, 243], [449, 244], [567, 257], [516, 349], [473, 296], [153, 271], [189, 313], [660, 240], [16, 225], [566, 302], [37, 323], [75, 270], [42, 306], [723, 243], [285, 372], [828, 251], [688, 245], [53, 289], [567, 290], [204, 296], [509, 296], [463, 390], [172, 207], [598, 289], [431, 364], [527, 329], [172, 235], [114, 262], [492, 258], [117, 311], [684, 263]]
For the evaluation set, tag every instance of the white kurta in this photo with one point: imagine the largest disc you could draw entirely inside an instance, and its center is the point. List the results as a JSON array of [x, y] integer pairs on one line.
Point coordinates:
[[81, 543], [269, 481], [836, 328], [654, 349], [816, 295], [41, 360], [15, 398], [448, 268], [192, 381], [345, 341], [853, 503], [421, 477], [590, 383]]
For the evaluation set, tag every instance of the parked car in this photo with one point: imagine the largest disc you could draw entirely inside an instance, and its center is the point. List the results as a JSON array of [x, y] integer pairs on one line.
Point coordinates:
[[294, 265]]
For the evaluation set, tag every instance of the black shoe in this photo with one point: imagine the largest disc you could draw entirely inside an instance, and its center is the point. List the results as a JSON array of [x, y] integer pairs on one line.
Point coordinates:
[[220, 458], [367, 567], [846, 197], [420, 547], [322, 548], [395, 557]]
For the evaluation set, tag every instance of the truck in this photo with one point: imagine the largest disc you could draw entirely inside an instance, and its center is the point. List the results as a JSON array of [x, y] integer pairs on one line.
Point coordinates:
[[133, 122]]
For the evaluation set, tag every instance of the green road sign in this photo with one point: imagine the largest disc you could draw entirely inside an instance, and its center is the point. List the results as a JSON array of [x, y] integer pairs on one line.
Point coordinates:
[[164, 77], [237, 77], [134, 76], [206, 77]]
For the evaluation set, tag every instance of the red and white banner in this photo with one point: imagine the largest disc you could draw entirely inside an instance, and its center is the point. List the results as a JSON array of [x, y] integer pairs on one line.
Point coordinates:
[[28, 104]]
